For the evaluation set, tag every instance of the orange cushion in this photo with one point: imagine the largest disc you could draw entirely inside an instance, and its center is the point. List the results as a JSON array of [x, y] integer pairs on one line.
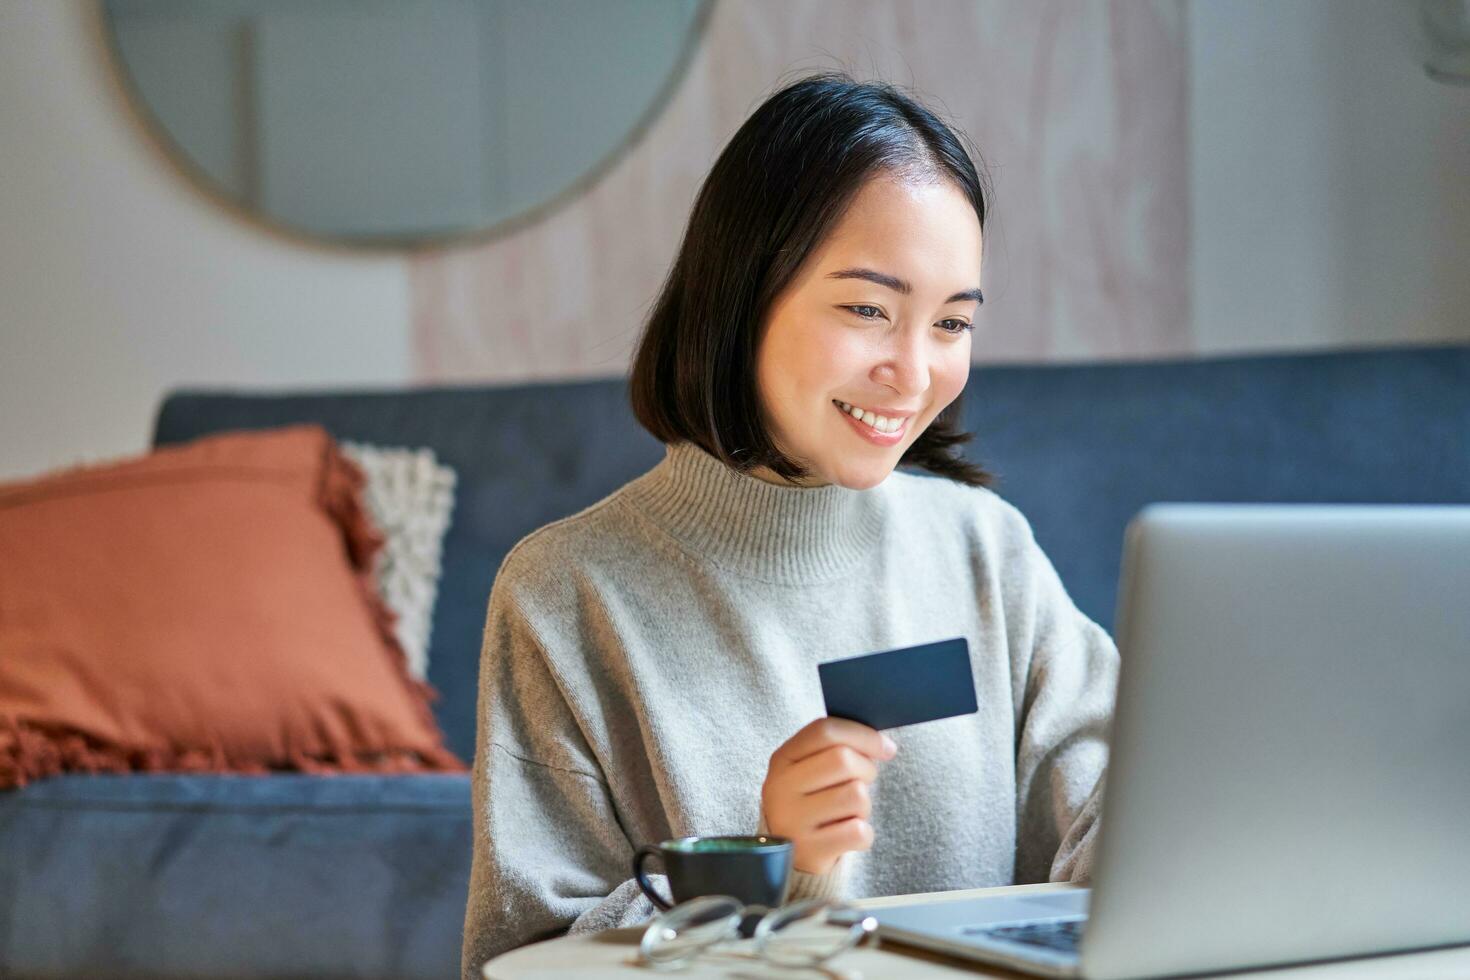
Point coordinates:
[[206, 607]]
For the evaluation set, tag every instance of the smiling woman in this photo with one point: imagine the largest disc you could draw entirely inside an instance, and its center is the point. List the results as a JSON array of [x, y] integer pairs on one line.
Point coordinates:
[[878, 258], [649, 668]]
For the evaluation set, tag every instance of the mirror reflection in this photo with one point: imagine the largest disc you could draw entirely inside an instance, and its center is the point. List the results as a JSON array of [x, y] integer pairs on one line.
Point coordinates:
[[400, 121]]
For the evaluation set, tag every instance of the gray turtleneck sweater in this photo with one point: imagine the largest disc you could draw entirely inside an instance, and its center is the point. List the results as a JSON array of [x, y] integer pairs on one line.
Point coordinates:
[[643, 658]]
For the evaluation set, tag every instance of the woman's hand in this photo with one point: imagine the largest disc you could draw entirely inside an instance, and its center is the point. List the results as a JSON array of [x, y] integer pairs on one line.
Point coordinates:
[[816, 790]]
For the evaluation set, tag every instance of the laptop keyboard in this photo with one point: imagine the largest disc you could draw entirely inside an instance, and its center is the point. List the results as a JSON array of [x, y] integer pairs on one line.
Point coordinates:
[[1059, 935]]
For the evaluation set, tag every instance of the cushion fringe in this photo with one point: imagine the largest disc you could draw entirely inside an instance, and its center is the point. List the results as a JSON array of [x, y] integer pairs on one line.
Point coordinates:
[[341, 496], [29, 752]]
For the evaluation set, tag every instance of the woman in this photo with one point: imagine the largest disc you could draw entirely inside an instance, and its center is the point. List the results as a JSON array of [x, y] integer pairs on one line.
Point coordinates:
[[649, 664]]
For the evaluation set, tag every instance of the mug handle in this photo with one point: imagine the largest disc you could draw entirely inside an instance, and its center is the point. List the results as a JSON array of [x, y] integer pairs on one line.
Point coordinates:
[[644, 853]]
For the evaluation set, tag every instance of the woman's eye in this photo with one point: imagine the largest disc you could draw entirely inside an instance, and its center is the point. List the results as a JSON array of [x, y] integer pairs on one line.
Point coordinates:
[[957, 326]]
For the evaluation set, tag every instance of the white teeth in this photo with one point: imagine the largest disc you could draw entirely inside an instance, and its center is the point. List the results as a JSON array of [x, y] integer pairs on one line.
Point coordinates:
[[880, 422]]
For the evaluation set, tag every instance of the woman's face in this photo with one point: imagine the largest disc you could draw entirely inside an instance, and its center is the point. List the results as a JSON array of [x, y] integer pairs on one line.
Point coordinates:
[[877, 319]]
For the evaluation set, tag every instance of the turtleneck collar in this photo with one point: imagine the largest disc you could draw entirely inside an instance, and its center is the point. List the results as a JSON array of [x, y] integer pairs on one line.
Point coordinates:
[[762, 530]]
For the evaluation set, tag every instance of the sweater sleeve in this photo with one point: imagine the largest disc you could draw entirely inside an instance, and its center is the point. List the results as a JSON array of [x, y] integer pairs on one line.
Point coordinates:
[[1064, 715], [550, 854]]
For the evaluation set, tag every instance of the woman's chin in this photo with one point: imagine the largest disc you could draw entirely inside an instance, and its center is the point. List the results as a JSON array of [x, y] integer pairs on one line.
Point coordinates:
[[858, 475]]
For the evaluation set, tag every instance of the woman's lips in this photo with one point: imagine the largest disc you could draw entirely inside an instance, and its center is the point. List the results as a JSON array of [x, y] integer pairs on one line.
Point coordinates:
[[871, 434]]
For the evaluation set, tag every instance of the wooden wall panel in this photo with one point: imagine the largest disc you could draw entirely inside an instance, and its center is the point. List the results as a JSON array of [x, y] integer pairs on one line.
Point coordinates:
[[1079, 110]]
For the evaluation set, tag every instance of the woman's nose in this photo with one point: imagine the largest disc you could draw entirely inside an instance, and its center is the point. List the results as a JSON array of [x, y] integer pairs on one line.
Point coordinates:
[[905, 366]]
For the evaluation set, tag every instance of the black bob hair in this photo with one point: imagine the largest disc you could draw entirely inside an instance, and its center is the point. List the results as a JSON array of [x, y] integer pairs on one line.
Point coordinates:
[[779, 186]]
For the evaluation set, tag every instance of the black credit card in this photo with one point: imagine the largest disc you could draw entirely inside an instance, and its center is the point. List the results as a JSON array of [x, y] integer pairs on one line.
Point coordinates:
[[901, 687]]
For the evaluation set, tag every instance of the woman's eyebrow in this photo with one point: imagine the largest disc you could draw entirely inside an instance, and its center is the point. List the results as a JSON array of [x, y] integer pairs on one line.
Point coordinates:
[[899, 285]]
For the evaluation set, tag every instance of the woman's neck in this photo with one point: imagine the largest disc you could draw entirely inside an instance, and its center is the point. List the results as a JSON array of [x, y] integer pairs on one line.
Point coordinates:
[[766, 528], [771, 476]]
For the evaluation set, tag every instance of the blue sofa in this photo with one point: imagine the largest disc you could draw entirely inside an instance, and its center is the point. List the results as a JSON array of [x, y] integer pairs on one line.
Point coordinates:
[[205, 876]]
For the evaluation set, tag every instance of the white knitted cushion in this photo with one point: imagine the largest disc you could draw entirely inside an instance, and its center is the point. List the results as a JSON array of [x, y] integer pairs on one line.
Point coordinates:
[[410, 495]]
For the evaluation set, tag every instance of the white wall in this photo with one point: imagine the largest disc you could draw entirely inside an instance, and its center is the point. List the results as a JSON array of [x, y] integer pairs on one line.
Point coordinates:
[[118, 281], [1330, 179]]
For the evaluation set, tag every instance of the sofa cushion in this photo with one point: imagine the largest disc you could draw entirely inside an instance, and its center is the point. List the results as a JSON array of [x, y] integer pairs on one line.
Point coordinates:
[[410, 495], [207, 875], [206, 607]]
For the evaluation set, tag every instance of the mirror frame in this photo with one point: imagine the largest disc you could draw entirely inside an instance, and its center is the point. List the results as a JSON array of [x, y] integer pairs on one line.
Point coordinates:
[[200, 180]]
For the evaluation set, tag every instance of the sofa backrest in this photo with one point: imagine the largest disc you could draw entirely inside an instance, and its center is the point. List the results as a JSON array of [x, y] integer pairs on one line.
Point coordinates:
[[1078, 448]]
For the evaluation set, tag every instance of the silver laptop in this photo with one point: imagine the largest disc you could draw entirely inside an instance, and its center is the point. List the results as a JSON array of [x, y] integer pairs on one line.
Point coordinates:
[[1290, 754]]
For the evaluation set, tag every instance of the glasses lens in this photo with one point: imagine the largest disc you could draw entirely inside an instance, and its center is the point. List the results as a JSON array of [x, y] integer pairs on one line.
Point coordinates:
[[675, 936], [803, 934]]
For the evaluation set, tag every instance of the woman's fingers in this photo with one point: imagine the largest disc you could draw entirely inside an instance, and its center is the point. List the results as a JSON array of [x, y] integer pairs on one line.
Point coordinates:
[[836, 839], [837, 803], [826, 732], [820, 850], [830, 767]]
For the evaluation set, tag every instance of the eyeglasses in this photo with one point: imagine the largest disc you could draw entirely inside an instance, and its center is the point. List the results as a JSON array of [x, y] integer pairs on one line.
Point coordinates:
[[802, 934]]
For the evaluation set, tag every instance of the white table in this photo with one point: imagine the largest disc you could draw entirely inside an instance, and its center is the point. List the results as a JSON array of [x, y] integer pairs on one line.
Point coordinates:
[[614, 954]]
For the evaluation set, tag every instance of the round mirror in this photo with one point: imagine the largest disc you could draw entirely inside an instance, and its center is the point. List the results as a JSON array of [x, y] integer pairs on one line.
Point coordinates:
[[400, 122]]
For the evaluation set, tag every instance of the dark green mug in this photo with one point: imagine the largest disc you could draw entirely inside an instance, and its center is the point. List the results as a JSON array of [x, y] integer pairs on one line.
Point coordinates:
[[755, 870]]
